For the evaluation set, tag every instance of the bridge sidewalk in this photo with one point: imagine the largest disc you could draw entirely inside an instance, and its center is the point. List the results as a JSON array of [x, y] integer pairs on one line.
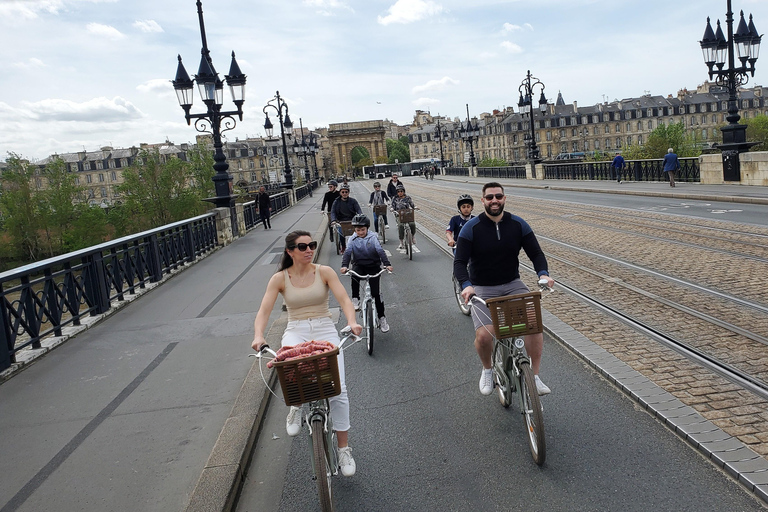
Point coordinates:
[[125, 415]]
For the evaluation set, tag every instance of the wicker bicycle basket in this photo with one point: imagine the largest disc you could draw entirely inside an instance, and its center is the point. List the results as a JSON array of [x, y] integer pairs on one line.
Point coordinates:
[[516, 315], [309, 378], [405, 215], [380, 209], [346, 228]]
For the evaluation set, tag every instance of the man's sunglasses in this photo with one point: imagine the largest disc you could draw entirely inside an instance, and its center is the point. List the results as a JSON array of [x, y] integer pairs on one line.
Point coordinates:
[[489, 197], [344, 191], [303, 247]]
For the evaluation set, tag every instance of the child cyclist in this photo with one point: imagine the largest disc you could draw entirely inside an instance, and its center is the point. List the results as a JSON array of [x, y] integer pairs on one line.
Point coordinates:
[[369, 256], [465, 205]]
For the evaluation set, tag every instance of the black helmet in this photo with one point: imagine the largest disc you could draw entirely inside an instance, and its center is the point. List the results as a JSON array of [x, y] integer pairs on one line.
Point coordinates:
[[334, 183], [376, 184], [464, 199], [399, 187], [361, 220]]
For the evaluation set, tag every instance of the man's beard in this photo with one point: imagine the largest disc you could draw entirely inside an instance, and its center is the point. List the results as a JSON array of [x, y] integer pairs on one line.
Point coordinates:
[[489, 212]]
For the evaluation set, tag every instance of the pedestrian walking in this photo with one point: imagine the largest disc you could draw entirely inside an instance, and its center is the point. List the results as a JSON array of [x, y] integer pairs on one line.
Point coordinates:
[[618, 166], [671, 165], [265, 207]]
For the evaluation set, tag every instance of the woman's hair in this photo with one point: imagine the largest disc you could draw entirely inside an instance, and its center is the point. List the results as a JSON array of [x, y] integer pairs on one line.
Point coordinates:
[[290, 241]]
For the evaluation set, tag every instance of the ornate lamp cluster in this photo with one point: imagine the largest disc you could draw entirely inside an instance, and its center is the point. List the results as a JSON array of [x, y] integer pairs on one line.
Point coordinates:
[[279, 105], [716, 50], [525, 105], [211, 90], [307, 146], [440, 135]]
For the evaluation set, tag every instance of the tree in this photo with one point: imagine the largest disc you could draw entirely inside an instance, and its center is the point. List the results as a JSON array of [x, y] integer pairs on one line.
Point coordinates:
[[18, 208], [398, 150], [58, 208], [674, 136], [492, 162], [757, 131]]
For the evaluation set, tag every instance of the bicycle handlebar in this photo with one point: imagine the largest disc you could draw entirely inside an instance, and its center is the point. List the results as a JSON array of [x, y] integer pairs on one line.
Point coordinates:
[[370, 276]]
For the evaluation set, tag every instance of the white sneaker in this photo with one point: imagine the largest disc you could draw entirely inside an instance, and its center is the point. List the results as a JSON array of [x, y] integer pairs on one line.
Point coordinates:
[[486, 382], [346, 462], [541, 387], [356, 303], [386, 227], [383, 325], [293, 422], [400, 247]]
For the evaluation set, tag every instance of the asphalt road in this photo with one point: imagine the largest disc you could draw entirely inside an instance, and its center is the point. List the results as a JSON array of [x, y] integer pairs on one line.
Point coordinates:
[[425, 439]]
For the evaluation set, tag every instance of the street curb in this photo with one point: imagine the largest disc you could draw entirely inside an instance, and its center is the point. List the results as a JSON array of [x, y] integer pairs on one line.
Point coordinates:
[[223, 476]]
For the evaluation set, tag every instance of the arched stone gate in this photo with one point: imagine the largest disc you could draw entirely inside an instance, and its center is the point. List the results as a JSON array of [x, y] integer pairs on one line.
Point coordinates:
[[344, 137]]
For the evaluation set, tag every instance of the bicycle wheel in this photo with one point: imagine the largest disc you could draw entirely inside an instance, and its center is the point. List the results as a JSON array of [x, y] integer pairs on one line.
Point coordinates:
[[532, 414], [462, 305], [369, 325], [382, 230], [408, 242], [322, 468], [501, 374]]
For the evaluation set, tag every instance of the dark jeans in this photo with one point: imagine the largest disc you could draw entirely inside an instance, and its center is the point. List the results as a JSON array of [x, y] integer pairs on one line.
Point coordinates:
[[376, 221], [618, 171], [265, 219], [374, 282]]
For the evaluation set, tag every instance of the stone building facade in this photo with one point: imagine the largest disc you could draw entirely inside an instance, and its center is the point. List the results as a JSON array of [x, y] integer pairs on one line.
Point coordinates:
[[567, 128]]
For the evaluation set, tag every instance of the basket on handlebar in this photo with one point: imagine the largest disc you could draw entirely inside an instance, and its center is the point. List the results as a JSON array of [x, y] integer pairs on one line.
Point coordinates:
[[516, 315], [309, 378], [380, 209], [405, 215], [346, 227]]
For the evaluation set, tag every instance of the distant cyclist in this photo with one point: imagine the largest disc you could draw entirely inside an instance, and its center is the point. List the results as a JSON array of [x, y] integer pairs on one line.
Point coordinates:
[[328, 199], [465, 204], [378, 197], [368, 259], [404, 202], [344, 209], [392, 186], [490, 245]]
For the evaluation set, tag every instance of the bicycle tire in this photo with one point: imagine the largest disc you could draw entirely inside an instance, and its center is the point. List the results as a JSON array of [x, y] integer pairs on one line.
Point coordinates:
[[501, 368], [323, 470], [409, 242], [533, 416], [382, 230], [338, 243], [370, 326], [464, 307]]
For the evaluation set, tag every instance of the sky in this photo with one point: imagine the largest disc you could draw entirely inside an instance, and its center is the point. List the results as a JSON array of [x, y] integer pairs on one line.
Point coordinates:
[[82, 74]]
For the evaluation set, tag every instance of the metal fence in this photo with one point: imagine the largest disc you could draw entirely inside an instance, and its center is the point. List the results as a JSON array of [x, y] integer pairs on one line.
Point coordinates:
[[515, 171], [278, 202], [37, 300], [636, 170], [456, 171]]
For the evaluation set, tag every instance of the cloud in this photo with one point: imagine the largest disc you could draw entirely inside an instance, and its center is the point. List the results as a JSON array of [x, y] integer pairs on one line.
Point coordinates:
[[435, 85], [30, 9], [148, 26], [161, 85], [326, 7], [425, 102], [408, 11], [96, 110], [508, 27], [511, 47], [30, 64], [106, 31]]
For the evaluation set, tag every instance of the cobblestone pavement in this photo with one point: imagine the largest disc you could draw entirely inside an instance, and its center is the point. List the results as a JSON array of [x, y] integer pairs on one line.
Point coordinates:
[[623, 259]]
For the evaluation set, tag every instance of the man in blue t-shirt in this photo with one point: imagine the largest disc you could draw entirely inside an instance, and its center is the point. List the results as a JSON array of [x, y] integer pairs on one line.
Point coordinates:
[[465, 205]]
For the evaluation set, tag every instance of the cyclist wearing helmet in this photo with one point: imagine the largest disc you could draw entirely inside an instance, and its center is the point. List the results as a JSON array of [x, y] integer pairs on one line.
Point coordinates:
[[378, 197], [369, 257], [328, 199], [344, 209], [465, 205], [403, 202]]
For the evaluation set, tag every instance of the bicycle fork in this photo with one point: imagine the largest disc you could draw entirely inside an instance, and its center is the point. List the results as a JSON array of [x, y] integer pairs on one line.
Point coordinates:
[[329, 449]]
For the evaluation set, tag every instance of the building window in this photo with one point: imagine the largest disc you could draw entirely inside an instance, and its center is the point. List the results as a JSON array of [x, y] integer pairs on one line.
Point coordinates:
[[607, 129], [103, 191], [87, 166], [77, 180], [88, 178], [562, 133], [101, 177], [597, 144], [618, 128], [650, 125], [111, 164], [99, 164], [114, 176], [573, 132], [575, 146], [704, 133], [629, 127], [549, 135]]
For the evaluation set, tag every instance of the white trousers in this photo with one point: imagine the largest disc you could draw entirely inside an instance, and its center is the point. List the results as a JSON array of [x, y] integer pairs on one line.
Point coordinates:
[[322, 329]]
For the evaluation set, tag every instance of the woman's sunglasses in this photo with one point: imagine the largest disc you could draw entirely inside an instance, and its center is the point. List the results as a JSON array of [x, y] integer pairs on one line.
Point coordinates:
[[303, 247], [489, 197]]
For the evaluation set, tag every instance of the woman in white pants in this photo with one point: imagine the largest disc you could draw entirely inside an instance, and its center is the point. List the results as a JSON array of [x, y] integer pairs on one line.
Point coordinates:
[[305, 286]]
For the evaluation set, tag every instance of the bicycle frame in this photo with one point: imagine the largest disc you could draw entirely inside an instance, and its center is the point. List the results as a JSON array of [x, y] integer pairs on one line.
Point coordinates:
[[369, 320]]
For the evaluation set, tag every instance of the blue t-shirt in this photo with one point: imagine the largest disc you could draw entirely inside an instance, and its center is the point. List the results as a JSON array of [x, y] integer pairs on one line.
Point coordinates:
[[456, 223]]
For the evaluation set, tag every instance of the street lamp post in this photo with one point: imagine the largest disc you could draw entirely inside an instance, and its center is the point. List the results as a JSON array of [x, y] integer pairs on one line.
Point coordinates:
[[526, 90], [440, 135], [469, 134], [716, 49], [313, 148], [214, 121], [301, 149], [286, 127]]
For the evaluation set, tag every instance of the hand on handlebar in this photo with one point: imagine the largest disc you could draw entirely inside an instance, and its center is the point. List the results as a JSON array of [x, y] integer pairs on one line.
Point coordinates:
[[467, 293], [546, 283], [343, 270]]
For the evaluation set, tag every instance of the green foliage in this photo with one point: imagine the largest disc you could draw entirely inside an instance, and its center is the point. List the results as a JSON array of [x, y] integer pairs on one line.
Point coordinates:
[[757, 131], [674, 136], [158, 191], [359, 153], [57, 209], [633, 152], [398, 150], [18, 208], [492, 162], [599, 156]]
